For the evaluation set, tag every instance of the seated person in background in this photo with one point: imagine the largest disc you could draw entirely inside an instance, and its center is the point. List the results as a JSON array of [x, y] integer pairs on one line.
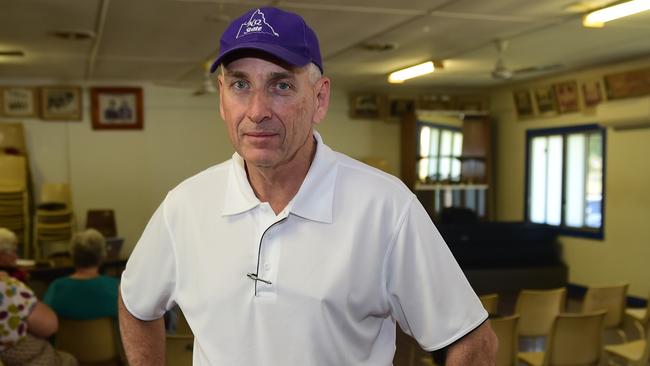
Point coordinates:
[[8, 243], [25, 323], [85, 294]]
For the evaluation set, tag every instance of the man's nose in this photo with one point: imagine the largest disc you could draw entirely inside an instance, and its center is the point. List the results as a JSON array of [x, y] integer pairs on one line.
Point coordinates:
[[259, 107]]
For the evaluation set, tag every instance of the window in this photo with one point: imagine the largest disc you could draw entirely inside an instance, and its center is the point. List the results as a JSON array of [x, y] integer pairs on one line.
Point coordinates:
[[565, 179], [438, 147]]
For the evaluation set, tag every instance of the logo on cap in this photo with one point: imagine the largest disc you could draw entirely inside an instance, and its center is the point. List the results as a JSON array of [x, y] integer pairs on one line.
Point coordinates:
[[256, 24]]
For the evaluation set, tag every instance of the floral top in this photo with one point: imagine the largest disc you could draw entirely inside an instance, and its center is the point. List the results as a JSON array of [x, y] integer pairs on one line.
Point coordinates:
[[16, 302]]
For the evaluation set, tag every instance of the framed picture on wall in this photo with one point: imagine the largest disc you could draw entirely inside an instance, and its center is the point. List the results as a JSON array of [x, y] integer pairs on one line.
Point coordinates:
[[61, 103], [18, 101], [545, 98], [567, 96], [365, 106], [634, 83], [399, 106], [592, 92], [523, 103], [116, 108]]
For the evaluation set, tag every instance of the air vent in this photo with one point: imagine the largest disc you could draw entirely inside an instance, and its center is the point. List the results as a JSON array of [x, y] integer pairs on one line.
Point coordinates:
[[73, 35], [378, 47]]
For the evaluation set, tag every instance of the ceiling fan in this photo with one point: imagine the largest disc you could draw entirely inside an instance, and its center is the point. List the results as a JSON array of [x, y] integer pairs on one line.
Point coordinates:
[[502, 72]]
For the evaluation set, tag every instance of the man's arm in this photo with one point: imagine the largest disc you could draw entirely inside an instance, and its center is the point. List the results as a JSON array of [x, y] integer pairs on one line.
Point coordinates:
[[144, 341], [478, 348]]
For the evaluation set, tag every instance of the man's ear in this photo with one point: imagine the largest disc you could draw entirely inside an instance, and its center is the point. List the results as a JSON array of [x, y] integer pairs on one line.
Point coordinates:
[[322, 91], [220, 83]]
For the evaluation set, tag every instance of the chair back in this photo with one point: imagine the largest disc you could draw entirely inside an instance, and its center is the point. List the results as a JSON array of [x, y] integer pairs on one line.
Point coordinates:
[[13, 172], [608, 298], [576, 339], [490, 303], [102, 220], [537, 310], [56, 193], [12, 136], [89, 341], [506, 330], [179, 350]]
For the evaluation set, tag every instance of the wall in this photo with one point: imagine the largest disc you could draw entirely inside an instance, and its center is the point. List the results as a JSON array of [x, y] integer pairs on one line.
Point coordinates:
[[131, 171], [623, 254]]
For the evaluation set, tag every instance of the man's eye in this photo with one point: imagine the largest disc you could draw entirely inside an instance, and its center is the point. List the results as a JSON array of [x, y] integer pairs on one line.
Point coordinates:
[[240, 84], [283, 86]]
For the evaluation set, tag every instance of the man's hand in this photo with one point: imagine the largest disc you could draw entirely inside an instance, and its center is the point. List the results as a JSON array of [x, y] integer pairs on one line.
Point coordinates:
[[478, 348]]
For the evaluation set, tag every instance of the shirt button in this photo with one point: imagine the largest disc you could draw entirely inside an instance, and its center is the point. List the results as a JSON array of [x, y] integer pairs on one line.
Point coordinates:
[[267, 266]]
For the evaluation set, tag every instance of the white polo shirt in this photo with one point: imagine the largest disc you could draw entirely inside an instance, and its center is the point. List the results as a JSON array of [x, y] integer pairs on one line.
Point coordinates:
[[352, 253]]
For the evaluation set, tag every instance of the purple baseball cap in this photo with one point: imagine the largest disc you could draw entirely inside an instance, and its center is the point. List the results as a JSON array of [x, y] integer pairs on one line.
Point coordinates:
[[277, 32]]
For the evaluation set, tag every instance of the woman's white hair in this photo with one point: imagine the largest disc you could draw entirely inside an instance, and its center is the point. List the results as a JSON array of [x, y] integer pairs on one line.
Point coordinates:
[[8, 240], [88, 248]]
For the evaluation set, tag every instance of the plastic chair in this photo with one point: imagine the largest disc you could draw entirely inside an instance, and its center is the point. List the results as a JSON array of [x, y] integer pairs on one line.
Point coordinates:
[[102, 220], [179, 350], [635, 353], [640, 317], [56, 193], [612, 299], [55, 220], [89, 341], [537, 310], [506, 330], [14, 199], [575, 339], [490, 303], [13, 173], [12, 136]]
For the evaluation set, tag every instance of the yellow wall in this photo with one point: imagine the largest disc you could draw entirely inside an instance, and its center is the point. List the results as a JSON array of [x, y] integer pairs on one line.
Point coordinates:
[[624, 253], [131, 171]]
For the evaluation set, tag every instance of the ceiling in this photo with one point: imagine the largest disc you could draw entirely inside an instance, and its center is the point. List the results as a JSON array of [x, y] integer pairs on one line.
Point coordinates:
[[168, 41]]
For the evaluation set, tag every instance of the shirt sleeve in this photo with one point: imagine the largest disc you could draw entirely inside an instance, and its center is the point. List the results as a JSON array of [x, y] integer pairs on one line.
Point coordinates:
[[428, 293], [149, 280]]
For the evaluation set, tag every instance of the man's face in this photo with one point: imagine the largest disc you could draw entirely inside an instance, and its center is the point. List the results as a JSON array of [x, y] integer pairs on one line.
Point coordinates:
[[270, 110]]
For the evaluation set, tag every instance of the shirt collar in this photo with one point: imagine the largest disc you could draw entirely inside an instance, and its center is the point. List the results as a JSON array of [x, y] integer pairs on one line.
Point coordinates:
[[314, 200]]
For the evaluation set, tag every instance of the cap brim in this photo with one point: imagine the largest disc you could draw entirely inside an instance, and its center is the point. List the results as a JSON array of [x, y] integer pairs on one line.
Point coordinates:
[[282, 53]]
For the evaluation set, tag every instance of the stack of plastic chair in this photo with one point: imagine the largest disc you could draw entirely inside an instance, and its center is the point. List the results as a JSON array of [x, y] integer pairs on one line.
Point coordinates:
[[575, 339], [490, 303], [506, 330], [14, 199], [54, 223], [537, 310], [612, 299]]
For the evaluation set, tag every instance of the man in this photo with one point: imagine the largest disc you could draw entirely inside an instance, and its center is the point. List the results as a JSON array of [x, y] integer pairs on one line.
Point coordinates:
[[290, 253]]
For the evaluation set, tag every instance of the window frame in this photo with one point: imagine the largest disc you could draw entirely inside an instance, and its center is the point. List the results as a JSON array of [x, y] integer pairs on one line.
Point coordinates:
[[595, 233], [441, 127]]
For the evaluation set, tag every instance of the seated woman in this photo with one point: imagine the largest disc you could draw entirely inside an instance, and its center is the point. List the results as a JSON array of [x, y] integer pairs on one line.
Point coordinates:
[[85, 294], [8, 243], [25, 323]]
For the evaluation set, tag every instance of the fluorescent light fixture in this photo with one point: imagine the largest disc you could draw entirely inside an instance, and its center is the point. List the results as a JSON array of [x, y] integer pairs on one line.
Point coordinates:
[[598, 18], [410, 72]]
